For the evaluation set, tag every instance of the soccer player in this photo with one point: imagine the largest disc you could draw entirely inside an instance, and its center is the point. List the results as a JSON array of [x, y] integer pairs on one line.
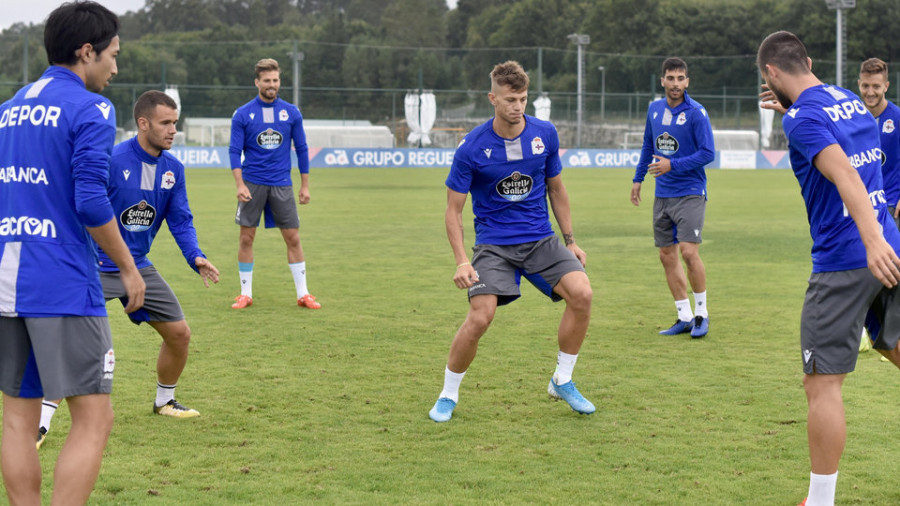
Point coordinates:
[[678, 143], [263, 130], [511, 165], [56, 135], [873, 85], [835, 155], [147, 187]]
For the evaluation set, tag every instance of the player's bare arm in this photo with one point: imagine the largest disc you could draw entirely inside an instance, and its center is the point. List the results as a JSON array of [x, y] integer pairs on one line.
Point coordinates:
[[636, 194], [107, 236], [243, 193], [882, 260], [208, 271], [559, 202], [303, 194], [465, 275]]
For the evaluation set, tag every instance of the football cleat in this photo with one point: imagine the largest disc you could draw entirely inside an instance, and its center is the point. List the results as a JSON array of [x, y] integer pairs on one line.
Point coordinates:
[[442, 410], [242, 301], [803, 503], [175, 409], [680, 327], [700, 328], [571, 395], [308, 301], [552, 391], [42, 435]]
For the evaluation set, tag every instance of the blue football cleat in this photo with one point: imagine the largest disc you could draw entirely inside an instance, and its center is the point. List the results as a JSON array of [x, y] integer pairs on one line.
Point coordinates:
[[442, 410], [570, 394], [700, 328], [680, 327]]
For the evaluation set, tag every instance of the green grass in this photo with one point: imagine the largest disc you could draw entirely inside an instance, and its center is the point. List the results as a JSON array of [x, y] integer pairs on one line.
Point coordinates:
[[331, 406]]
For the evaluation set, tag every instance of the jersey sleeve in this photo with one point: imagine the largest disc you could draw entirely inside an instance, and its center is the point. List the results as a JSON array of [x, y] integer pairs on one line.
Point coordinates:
[[809, 134], [92, 147], [181, 223], [236, 146], [299, 137], [646, 153], [554, 164], [701, 129], [460, 177]]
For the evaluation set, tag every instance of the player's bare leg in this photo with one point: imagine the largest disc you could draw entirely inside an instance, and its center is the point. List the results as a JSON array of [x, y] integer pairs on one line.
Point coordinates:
[[892, 355], [245, 244], [297, 263], [675, 277], [465, 343], [294, 247], [696, 271], [245, 267], [21, 467], [825, 426], [575, 288], [79, 460], [173, 352]]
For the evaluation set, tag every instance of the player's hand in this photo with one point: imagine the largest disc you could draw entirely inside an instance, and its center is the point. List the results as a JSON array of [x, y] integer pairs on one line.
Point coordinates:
[[579, 254], [636, 194], [135, 287], [884, 263], [243, 193], [465, 276], [767, 100], [208, 271], [303, 196], [659, 166]]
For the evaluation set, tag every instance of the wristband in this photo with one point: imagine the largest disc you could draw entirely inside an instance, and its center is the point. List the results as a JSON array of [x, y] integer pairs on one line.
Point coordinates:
[[462, 264]]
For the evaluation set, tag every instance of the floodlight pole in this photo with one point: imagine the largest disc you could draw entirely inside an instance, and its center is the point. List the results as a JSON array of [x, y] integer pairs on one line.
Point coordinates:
[[840, 6], [580, 40], [297, 57], [602, 92]]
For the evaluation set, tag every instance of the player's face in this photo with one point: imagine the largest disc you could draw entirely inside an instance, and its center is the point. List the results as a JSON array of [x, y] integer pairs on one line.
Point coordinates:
[[872, 88], [159, 129], [509, 105], [269, 83], [675, 81], [101, 67]]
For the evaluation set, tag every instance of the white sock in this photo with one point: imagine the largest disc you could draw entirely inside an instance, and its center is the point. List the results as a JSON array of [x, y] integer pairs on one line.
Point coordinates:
[[821, 489], [164, 394], [700, 304], [451, 384], [48, 409], [684, 310], [565, 364], [299, 271], [246, 283]]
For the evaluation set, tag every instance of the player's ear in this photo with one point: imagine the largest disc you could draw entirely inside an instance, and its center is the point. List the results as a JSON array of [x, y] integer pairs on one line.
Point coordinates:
[[84, 52], [143, 123]]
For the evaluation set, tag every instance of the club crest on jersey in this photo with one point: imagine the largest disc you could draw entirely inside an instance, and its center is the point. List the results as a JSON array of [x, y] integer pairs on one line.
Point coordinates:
[[138, 218], [109, 364], [269, 139], [515, 187], [888, 126], [666, 144], [283, 115], [682, 119], [537, 146], [168, 180]]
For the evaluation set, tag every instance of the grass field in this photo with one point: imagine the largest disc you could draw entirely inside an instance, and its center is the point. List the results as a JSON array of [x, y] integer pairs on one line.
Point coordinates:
[[331, 406]]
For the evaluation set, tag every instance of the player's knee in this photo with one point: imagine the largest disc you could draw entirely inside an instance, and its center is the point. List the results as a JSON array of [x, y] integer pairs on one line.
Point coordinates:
[[580, 298], [479, 321], [179, 337]]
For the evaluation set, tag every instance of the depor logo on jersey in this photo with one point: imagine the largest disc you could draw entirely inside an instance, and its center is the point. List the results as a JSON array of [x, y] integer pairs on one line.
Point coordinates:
[[682, 119], [888, 126], [537, 146], [666, 144], [269, 139], [168, 180], [283, 115], [515, 187], [138, 218]]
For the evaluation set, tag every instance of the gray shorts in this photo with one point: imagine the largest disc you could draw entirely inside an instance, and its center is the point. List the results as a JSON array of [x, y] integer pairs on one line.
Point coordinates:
[[56, 357], [678, 219], [160, 303], [277, 202], [837, 305], [500, 268]]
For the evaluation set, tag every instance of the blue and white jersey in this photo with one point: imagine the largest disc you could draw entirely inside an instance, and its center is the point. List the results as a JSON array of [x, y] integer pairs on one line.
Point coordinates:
[[889, 125], [55, 143], [824, 115], [144, 191], [684, 136], [507, 179], [263, 132]]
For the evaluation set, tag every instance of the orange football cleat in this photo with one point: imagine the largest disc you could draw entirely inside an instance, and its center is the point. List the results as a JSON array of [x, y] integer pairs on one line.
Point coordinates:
[[308, 301], [242, 301]]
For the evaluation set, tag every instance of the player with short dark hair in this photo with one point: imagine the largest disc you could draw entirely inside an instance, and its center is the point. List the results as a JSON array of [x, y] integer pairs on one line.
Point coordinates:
[[262, 130], [511, 165], [147, 187], [678, 144], [835, 155], [56, 135]]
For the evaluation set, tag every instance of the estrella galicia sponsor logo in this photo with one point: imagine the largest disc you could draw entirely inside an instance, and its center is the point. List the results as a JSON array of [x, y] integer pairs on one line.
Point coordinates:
[[138, 218], [666, 144], [515, 187], [269, 139], [27, 225]]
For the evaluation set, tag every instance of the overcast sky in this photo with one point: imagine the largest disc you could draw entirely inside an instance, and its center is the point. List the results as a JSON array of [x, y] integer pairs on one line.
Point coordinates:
[[36, 11]]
